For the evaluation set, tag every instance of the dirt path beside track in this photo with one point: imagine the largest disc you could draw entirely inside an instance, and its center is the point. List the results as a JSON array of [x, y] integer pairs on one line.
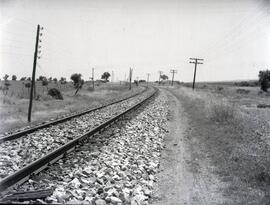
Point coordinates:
[[184, 177], [211, 159]]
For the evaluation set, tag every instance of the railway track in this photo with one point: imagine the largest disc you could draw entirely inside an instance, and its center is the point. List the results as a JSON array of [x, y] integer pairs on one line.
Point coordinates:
[[23, 173], [20, 133]]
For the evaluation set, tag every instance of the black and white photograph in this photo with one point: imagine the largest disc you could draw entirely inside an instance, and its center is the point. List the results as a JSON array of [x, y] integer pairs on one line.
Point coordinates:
[[135, 102]]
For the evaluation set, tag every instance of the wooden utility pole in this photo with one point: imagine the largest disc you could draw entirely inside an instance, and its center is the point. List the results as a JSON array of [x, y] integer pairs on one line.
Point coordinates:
[[160, 73], [33, 75], [93, 80], [173, 72], [195, 61], [148, 74], [130, 77]]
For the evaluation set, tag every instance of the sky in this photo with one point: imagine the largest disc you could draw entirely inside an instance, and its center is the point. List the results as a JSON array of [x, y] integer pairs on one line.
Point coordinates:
[[232, 36]]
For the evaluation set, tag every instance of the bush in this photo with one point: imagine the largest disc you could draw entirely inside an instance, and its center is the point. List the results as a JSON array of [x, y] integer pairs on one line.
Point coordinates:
[[220, 88], [242, 91], [45, 82], [55, 93], [221, 111], [27, 85]]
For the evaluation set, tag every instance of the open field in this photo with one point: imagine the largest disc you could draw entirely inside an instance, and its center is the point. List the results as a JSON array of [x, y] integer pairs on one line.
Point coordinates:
[[14, 105], [217, 151]]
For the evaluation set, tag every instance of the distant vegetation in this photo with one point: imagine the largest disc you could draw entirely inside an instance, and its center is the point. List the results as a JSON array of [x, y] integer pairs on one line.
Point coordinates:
[[164, 77], [105, 76], [247, 84], [14, 77], [77, 81], [264, 78]]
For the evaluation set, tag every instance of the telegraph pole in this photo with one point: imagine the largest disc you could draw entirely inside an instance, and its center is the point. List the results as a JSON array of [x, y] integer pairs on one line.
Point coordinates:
[[160, 73], [93, 81], [33, 74], [148, 78], [195, 61], [173, 72], [130, 77]]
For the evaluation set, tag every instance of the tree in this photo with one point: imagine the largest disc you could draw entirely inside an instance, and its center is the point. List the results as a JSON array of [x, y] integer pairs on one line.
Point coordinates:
[[40, 78], [106, 76], [23, 79], [55, 80], [6, 77], [29, 79], [76, 78], [77, 81], [136, 82], [45, 82], [14, 77], [264, 78], [63, 80], [164, 77], [50, 79]]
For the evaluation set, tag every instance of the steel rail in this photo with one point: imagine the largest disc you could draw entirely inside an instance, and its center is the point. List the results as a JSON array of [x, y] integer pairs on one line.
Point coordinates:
[[33, 129], [38, 165]]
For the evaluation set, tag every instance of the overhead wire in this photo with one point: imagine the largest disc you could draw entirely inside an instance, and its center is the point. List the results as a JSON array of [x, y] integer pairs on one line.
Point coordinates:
[[230, 34]]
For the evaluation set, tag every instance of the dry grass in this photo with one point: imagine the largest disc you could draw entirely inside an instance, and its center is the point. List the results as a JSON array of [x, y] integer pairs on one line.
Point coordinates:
[[14, 105], [235, 133], [221, 111]]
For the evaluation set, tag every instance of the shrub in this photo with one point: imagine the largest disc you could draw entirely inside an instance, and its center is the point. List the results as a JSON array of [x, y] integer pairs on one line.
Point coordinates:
[[220, 88], [27, 85], [55, 93], [63, 80], [45, 82], [242, 91], [221, 111]]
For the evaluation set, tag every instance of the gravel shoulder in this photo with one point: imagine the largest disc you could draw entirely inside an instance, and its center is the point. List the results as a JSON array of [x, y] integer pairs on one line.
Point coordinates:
[[17, 153], [117, 166]]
